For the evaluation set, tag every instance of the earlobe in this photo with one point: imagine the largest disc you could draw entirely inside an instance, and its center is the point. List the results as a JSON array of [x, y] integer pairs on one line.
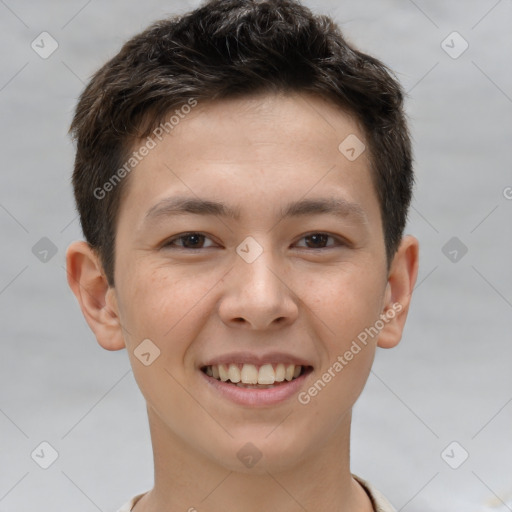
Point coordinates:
[[97, 300], [401, 280]]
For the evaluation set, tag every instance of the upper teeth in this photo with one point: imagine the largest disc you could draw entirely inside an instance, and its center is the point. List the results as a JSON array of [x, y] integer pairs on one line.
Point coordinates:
[[250, 374]]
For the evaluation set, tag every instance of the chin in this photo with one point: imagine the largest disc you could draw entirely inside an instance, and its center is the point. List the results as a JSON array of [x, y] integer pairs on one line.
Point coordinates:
[[262, 454]]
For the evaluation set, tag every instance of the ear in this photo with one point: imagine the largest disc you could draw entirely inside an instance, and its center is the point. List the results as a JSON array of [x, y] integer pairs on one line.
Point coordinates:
[[96, 298], [401, 280]]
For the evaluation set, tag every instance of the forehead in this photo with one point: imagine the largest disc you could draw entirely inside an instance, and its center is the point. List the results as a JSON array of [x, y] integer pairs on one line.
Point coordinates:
[[273, 148], [287, 121]]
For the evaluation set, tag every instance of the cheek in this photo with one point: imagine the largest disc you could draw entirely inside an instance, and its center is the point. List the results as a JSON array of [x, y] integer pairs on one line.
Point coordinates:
[[346, 301], [345, 310], [351, 306], [337, 388], [168, 311], [168, 308], [157, 301]]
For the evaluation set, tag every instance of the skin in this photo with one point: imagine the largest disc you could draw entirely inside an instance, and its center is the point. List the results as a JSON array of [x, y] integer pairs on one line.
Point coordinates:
[[302, 296]]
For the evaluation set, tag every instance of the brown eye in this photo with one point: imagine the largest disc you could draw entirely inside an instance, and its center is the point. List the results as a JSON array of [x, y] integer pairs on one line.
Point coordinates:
[[188, 241], [192, 241], [319, 241]]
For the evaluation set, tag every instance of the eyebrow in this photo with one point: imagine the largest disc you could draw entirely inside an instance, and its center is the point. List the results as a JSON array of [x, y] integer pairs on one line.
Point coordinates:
[[190, 205]]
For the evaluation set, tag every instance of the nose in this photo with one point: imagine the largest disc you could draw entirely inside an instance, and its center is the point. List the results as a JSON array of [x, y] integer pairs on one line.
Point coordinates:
[[257, 295]]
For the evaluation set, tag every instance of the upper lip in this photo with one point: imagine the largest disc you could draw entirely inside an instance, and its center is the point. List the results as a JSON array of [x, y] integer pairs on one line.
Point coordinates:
[[256, 359]]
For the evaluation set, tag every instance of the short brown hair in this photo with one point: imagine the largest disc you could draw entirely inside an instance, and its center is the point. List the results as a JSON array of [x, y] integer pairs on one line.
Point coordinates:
[[226, 49]]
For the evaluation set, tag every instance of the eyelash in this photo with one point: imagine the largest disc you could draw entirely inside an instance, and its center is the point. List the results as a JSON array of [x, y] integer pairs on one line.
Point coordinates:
[[169, 244]]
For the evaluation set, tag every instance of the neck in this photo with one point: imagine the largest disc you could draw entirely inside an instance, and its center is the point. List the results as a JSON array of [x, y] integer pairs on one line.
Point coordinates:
[[190, 481]]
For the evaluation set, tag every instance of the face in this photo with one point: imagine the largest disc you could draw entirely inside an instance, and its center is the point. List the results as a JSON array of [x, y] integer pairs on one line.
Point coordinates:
[[247, 237]]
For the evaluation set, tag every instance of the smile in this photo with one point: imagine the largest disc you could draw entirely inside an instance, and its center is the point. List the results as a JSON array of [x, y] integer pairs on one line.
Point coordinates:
[[250, 375], [256, 385]]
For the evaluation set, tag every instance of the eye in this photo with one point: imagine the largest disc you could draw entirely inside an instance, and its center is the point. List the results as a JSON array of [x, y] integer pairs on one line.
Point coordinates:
[[195, 241], [319, 241], [187, 241]]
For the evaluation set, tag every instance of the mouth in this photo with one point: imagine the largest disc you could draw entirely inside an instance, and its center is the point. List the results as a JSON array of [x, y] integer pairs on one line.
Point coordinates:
[[250, 376]]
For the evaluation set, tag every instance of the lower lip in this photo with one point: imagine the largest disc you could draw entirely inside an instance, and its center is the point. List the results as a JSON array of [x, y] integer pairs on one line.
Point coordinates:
[[254, 396]]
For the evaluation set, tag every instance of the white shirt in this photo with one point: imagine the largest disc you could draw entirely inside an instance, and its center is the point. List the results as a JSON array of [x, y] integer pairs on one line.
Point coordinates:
[[379, 502]]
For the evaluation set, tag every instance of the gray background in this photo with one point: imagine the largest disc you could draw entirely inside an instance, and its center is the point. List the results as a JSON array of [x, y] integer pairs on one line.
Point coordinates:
[[449, 380]]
